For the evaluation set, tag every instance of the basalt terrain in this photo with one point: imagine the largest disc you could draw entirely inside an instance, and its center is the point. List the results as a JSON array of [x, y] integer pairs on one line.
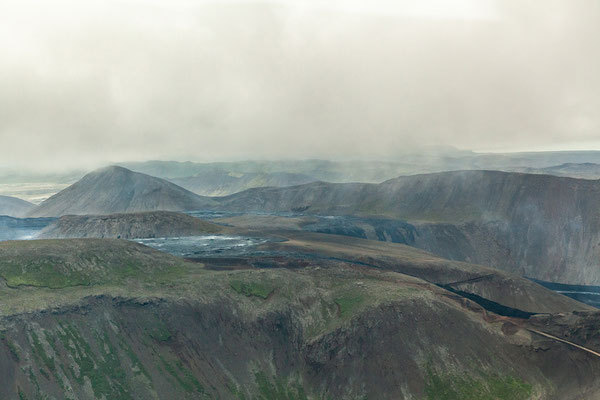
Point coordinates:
[[150, 224], [540, 226], [306, 316]]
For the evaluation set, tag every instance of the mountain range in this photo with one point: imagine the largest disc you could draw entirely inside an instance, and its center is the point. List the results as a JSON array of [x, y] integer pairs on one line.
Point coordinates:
[[539, 226]]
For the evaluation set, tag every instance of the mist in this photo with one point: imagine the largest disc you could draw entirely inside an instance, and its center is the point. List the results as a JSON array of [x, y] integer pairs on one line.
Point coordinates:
[[86, 83]]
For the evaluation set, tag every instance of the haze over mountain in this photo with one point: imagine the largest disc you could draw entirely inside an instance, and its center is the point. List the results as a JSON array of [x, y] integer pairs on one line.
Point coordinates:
[[428, 160], [13, 206], [224, 178], [574, 170], [539, 226], [118, 190], [222, 183]]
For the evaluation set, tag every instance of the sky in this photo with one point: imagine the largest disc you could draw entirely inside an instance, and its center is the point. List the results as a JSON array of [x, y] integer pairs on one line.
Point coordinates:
[[83, 83]]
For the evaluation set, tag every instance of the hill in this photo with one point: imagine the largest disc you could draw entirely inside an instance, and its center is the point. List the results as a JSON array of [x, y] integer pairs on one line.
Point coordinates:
[[118, 190], [14, 207], [150, 224], [80, 262], [541, 226], [103, 318]]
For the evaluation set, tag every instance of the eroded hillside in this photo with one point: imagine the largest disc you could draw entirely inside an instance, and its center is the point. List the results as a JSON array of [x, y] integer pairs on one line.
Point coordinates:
[[297, 327]]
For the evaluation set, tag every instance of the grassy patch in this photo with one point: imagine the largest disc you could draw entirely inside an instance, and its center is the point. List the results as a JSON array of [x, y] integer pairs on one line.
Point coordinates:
[[349, 302], [277, 389], [182, 375], [40, 353], [257, 289], [485, 387], [11, 346], [107, 373], [64, 263]]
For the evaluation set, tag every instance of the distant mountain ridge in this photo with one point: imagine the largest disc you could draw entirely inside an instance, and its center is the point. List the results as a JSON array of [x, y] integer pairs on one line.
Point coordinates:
[[119, 190], [573, 170], [225, 178], [14, 207], [223, 183], [417, 161]]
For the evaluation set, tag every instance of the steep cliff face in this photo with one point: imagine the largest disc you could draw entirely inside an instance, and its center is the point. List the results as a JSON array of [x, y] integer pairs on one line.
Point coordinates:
[[118, 190], [98, 318], [131, 350], [547, 253], [545, 227], [151, 224], [324, 343]]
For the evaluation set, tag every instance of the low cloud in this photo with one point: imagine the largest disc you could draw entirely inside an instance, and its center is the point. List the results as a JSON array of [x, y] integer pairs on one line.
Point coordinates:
[[84, 83]]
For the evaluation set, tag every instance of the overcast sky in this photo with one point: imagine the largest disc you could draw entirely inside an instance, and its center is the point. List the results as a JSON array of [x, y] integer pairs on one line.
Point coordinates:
[[86, 82]]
